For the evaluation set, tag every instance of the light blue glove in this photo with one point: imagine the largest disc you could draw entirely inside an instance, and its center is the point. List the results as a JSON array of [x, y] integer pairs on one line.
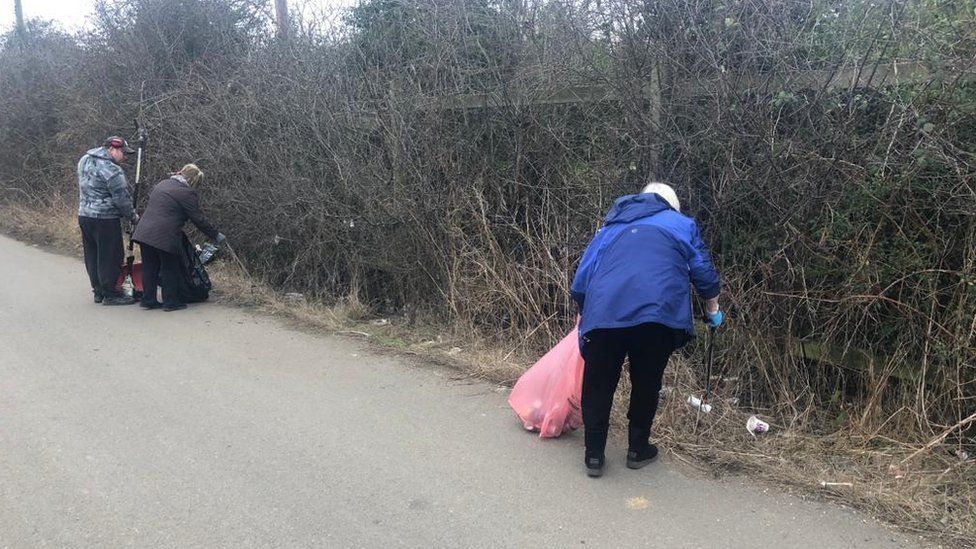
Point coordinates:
[[221, 237], [715, 319]]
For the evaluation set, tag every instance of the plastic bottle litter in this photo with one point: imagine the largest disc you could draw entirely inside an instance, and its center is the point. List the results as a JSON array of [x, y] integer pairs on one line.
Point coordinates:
[[756, 426], [696, 403], [206, 252], [127, 288]]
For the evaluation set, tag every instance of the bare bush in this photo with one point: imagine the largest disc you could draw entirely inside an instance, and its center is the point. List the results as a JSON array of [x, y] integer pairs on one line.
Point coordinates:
[[451, 158]]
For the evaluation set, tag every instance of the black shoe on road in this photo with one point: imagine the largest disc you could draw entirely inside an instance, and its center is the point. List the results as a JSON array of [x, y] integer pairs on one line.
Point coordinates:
[[150, 304], [177, 307], [594, 466], [639, 458], [98, 298], [118, 300]]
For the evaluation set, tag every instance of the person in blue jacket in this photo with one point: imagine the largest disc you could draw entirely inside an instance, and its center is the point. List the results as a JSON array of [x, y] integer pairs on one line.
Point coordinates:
[[633, 288]]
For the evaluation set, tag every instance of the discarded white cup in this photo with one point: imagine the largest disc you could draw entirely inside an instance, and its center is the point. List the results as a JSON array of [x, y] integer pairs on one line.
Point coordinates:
[[756, 426], [696, 403]]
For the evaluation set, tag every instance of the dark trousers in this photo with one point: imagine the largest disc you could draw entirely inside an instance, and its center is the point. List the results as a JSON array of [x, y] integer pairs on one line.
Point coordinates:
[[160, 268], [648, 346], [102, 241]]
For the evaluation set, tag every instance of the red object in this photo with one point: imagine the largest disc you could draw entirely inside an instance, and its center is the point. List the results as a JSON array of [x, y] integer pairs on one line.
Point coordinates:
[[547, 396], [136, 277]]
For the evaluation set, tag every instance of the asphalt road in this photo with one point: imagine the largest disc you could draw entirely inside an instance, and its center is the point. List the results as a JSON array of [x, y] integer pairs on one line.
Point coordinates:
[[215, 427]]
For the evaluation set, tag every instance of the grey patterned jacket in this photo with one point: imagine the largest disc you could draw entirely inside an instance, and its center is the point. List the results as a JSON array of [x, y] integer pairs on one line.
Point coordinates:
[[103, 192]]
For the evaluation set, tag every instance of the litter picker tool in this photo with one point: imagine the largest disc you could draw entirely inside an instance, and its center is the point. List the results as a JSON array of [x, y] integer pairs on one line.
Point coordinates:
[[703, 405], [128, 285]]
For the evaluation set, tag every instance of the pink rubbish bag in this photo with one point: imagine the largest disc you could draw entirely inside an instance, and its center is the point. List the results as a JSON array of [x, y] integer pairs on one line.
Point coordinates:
[[547, 396]]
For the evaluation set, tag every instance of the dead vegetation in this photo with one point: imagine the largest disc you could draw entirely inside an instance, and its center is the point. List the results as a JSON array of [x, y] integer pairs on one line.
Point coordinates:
[[926, 493], [443, 163], [48, 227]]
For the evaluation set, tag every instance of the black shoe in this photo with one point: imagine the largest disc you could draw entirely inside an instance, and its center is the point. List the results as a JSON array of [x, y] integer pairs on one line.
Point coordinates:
[[594, 466], [638, 437], [150, 304], [99, 298], [118, 300], [639, 458], [177, 307]]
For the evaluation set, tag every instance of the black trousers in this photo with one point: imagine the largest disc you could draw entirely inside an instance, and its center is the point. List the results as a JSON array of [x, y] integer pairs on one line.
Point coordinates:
[[648, 346], [101, 240], [160, 268]]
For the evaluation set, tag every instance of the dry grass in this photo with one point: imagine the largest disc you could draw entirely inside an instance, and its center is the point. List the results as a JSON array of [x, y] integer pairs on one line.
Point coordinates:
[[51, 227], [932, 493], [448, 345]]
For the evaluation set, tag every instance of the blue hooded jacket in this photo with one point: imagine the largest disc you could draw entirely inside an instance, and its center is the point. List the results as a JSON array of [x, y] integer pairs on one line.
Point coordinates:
[[638, 267]]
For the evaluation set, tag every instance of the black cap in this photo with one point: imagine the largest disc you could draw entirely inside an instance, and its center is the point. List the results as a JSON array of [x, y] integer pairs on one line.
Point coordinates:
[[116, 142]]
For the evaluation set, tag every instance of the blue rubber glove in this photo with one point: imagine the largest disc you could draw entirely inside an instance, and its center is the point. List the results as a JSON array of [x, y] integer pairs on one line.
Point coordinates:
[[715, 319], [221, 237]]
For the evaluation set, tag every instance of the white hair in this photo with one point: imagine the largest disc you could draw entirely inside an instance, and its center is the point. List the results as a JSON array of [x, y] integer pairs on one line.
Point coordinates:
[[666, 192]]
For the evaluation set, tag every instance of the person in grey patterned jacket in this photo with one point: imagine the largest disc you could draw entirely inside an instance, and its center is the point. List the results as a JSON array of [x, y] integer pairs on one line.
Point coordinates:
[[103, 200]]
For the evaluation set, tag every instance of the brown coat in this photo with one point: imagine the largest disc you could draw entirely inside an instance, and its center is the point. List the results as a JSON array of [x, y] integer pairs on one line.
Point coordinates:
[[171, 204]]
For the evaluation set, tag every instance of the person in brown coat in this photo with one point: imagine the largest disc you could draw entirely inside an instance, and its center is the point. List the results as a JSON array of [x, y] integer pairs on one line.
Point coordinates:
[[159, 233]]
